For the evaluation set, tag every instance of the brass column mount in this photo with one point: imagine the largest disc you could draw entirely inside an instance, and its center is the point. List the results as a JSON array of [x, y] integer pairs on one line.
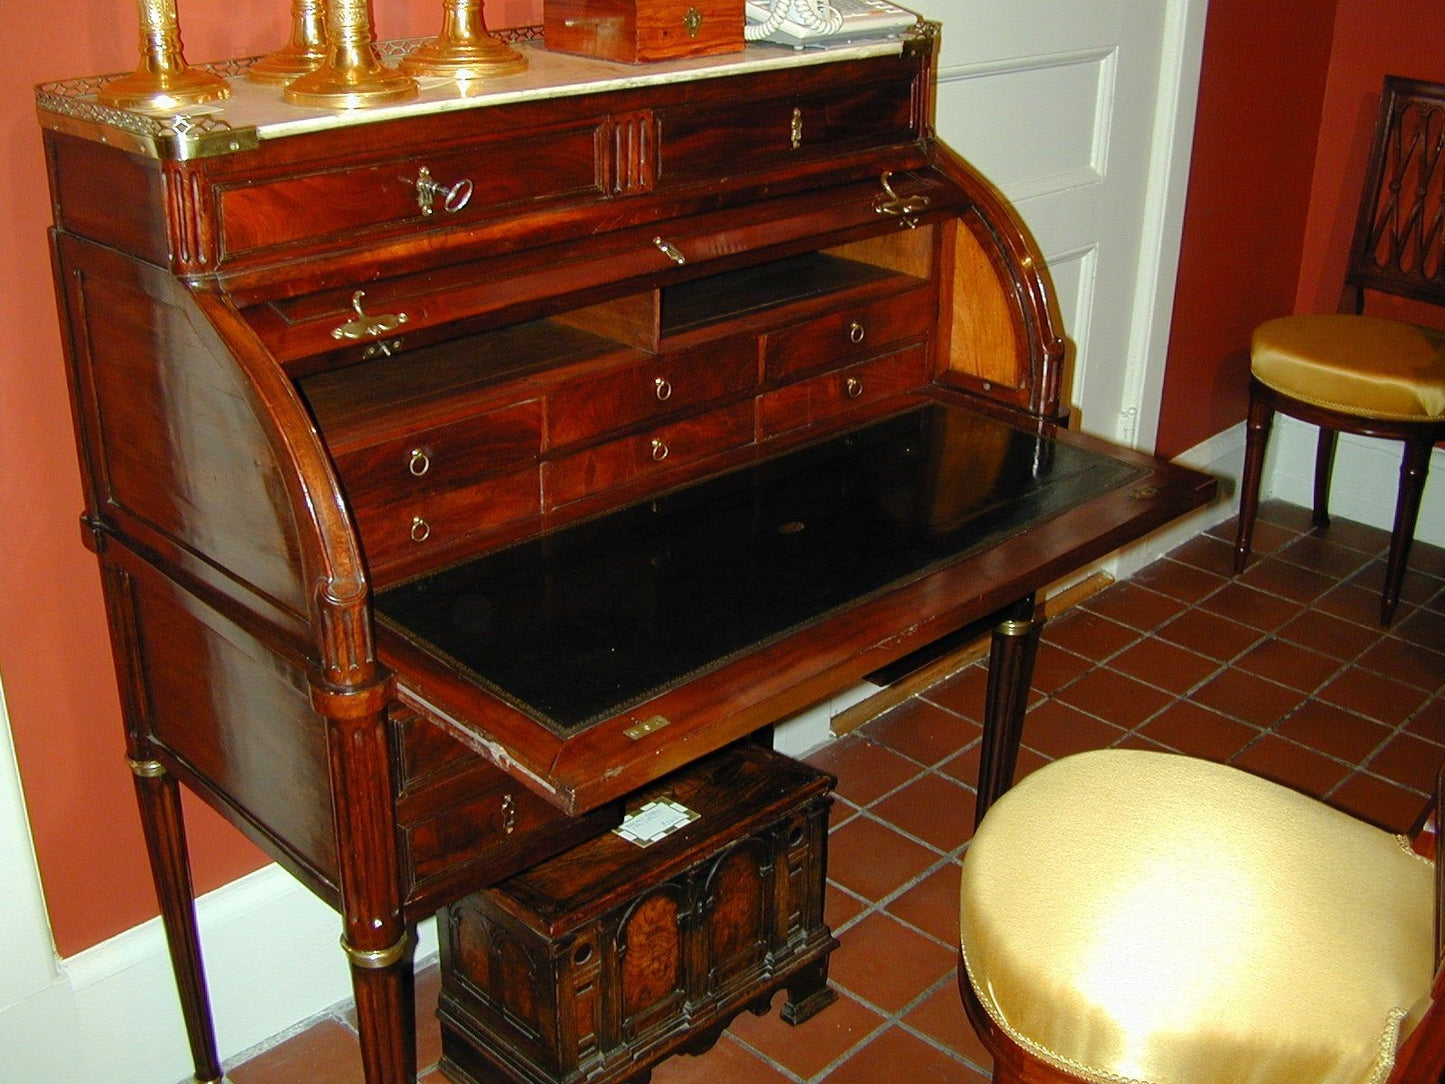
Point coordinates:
[[464, 49], [164, 82], [305, 52], [351, 77]]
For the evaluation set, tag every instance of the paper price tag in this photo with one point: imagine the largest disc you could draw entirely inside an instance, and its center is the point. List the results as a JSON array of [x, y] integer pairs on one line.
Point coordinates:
[[656, 820]]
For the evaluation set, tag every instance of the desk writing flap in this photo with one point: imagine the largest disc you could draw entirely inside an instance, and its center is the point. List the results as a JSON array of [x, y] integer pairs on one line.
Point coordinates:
[[578, 625]]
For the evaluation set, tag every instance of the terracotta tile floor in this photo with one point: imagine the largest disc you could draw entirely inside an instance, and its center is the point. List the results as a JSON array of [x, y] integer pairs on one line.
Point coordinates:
[[1281, 671]]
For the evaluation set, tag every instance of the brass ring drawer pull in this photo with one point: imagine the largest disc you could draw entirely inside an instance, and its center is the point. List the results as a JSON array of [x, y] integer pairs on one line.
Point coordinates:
[[663, 388], [454, 197], [419, 463], [671, 251], [853, 387], [420, 529], [659, 449], [856, 332]]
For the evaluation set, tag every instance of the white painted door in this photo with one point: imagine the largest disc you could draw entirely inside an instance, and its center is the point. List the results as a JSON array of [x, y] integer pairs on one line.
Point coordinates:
[[1081, 113]]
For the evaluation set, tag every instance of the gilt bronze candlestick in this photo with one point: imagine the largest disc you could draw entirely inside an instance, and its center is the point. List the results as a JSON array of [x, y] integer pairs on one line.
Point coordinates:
[[163, 83], [351, 77], [305, 52], [464, 49]]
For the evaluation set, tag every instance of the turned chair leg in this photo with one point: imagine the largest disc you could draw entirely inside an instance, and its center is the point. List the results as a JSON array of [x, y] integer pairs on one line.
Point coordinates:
[[1413, 470], [1324, 468], [1256, 439]]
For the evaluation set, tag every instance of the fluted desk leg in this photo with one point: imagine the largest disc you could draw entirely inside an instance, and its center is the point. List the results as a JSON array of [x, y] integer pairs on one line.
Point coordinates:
[[160, 812], [1010, 670]]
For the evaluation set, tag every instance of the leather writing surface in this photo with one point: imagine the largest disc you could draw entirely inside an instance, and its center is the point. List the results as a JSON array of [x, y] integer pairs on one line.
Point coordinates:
[[574, 626]]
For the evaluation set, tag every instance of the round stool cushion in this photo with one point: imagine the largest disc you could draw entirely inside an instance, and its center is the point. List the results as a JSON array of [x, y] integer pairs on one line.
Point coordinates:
[[1361, 365], [1140, 916]]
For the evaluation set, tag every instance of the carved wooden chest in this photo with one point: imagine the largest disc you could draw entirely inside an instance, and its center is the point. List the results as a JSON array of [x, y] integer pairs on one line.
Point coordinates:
[[633, 31], [604, 960]]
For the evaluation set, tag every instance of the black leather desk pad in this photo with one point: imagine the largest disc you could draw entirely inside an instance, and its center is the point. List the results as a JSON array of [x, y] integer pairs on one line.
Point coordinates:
[[575, 626]]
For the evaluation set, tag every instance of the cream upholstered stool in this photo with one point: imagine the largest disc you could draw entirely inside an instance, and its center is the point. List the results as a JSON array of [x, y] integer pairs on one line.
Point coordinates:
[[1365, 375], [1141, 916]]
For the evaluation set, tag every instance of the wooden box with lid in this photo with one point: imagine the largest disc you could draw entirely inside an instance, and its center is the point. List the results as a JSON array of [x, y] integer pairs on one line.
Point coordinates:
[[599, 963], [635, 31]]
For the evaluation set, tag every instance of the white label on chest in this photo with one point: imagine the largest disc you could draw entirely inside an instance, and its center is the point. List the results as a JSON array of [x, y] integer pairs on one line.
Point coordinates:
[[655, 820]]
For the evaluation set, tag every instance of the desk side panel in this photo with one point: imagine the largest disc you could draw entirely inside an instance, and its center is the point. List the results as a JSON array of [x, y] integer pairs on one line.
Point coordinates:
[[113, 197], [230, 713], [243, 589], [999, 328], [176, 458]]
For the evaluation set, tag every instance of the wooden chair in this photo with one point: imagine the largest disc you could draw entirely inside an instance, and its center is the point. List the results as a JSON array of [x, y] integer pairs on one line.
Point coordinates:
[[1130, 916], [1352, 373]]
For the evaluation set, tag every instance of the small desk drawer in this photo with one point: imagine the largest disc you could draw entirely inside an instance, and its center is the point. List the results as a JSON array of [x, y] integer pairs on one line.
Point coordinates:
[[723, 140], [442, 456], [462, 820], [662, 449], [400, 529], [548, 165], [848, 334], [833, 395], [654, 388]]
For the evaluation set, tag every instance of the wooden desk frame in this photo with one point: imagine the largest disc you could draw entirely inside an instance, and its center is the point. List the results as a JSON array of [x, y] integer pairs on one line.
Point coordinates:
[[213, 276]]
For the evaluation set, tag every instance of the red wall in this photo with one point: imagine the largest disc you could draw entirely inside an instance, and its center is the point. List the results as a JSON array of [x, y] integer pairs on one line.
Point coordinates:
[[54, 656], [1286, 109], [1260, 93]]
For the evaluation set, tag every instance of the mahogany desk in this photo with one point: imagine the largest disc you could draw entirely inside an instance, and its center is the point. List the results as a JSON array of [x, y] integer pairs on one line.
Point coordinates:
[[389, 487]]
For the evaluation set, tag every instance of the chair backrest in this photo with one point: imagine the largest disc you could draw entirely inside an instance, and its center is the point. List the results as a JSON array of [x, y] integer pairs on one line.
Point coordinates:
[[1399, 243]]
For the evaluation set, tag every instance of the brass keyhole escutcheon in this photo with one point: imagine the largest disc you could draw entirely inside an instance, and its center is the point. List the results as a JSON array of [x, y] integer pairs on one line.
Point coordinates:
[[453, 196], [509, 814], [671, 251], [692, 22]]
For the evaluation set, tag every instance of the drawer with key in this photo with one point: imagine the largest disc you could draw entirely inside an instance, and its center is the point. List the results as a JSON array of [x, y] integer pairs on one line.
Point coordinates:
[[662, 449], [848, 334], [426, 190]]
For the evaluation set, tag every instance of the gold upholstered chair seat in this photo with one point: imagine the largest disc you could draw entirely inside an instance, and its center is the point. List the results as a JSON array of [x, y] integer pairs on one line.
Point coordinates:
[[1140, 916], [1363, 365]]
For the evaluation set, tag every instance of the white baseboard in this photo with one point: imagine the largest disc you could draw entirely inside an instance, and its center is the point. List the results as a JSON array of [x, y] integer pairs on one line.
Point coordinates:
[[1366, 478], [272, 961]]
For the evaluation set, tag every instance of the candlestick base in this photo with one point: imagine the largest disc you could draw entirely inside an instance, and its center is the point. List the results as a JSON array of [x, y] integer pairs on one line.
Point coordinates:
[[163, 91]]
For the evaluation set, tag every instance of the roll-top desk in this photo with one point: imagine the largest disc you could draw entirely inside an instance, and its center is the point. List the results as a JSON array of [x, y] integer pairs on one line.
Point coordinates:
[[457, 468]]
